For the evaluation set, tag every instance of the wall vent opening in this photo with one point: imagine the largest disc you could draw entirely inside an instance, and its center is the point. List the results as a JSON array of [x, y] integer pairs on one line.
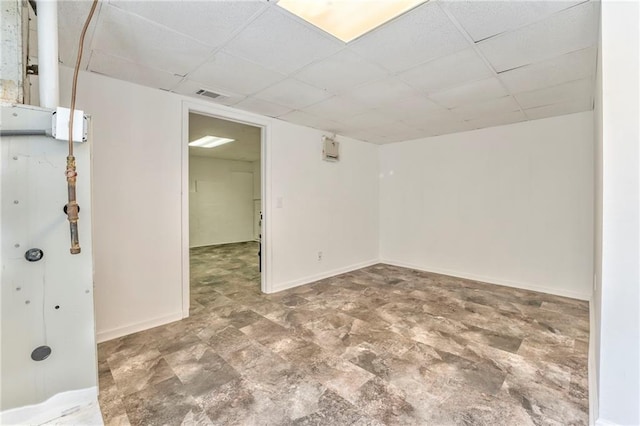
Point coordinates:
[[330, 149]]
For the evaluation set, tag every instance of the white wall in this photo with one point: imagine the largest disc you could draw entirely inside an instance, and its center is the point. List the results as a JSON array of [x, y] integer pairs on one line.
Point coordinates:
[[257, 200], [220, 201], [256, 179], [619, 376], [136, 193], [509, 205], [328, 207], [137, 203]]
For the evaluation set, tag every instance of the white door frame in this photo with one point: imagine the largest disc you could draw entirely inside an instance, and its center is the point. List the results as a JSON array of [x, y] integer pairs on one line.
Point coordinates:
[[264, 123]]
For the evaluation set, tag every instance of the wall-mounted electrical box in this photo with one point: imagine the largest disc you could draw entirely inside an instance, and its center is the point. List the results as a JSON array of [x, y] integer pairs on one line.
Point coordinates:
[[330, 149], [60, 125]]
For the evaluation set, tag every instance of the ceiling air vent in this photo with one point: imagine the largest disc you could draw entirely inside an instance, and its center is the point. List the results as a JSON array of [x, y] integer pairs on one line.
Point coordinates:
[[209, 94]]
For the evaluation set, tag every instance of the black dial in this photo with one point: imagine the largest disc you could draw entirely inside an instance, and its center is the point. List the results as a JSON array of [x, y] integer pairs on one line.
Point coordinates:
[[33, 254]]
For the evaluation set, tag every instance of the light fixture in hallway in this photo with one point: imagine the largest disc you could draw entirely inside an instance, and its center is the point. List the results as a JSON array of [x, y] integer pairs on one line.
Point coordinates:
[[210, 141]]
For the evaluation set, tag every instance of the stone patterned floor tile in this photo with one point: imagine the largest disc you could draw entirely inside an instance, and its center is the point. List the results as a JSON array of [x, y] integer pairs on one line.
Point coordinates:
[[382, 345]]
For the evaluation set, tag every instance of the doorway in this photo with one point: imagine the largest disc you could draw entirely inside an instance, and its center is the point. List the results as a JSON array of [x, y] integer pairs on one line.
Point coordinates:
[[224, 208]]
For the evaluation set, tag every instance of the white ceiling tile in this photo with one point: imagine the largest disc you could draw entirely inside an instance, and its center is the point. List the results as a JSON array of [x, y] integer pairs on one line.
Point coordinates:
[[128, 36], [446, 72], [396, 127], [300, 117], [411, 134], [189, 88], [573, 90], [393, 133], [337, 108], [469, 93], [561, 69], [281, 43], [498, 106], [381, 92], [71, 18], [366, 135], [436, 128], [340, 72], [123, 69], [262, 107], [236, 74], [418, 36], [559, 109], [497, 120], [567, 31], [211, 22], [293, 94], [433, 119], [393, 138], [412, 106], [369, 119], [310, 120], [483, 19]]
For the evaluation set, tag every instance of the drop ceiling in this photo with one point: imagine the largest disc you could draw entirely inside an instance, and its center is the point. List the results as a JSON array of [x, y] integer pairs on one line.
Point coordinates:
[[246, 138], [443, 67]]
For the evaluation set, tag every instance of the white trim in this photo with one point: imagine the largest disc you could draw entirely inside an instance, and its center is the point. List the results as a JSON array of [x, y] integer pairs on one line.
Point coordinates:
[[225, 113], [114, 333], [323, 275], [57, 406], [491, 280], [184, 211], [593, 383], [604, 422]]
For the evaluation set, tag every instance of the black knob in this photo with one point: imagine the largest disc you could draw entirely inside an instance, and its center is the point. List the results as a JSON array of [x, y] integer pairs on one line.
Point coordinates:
[[33, 254]]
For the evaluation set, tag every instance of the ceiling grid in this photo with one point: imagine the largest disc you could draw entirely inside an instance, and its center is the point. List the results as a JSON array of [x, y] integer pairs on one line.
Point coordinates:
[[444, 66]]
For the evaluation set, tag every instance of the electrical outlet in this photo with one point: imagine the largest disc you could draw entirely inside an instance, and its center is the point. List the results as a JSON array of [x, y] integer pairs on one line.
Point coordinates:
[[319, 256]]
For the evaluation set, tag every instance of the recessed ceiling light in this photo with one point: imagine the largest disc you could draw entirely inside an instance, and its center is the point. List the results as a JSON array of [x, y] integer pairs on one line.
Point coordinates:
[[348, 19], [210, 142]]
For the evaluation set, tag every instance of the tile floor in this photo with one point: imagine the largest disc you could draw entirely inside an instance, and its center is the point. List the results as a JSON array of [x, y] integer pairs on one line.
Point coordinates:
[[381, 345]]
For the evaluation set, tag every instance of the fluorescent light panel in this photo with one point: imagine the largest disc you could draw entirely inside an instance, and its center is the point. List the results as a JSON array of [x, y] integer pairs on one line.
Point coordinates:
[[210, 141], [348, 19]]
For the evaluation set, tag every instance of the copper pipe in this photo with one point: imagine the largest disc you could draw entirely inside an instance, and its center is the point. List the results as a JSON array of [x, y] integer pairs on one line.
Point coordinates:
[[72, 205]]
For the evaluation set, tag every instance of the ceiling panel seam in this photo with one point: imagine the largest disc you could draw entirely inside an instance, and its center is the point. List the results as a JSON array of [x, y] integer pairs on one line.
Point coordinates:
[[229, 39], [479, 52]]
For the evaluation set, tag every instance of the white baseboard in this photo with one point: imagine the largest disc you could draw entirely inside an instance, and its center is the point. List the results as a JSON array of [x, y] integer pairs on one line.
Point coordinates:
[[103, 336], [593, 382], [491, 280], [306, 280], [224, 243], [56, 406], [604, 422]]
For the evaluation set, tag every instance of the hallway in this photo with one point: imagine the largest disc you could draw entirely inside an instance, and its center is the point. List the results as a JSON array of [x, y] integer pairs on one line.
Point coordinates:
[[227, 269]]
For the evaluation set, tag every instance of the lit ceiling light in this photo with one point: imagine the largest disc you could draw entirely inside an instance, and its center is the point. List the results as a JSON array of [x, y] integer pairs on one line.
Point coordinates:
[[348, 19], [210, 142]]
